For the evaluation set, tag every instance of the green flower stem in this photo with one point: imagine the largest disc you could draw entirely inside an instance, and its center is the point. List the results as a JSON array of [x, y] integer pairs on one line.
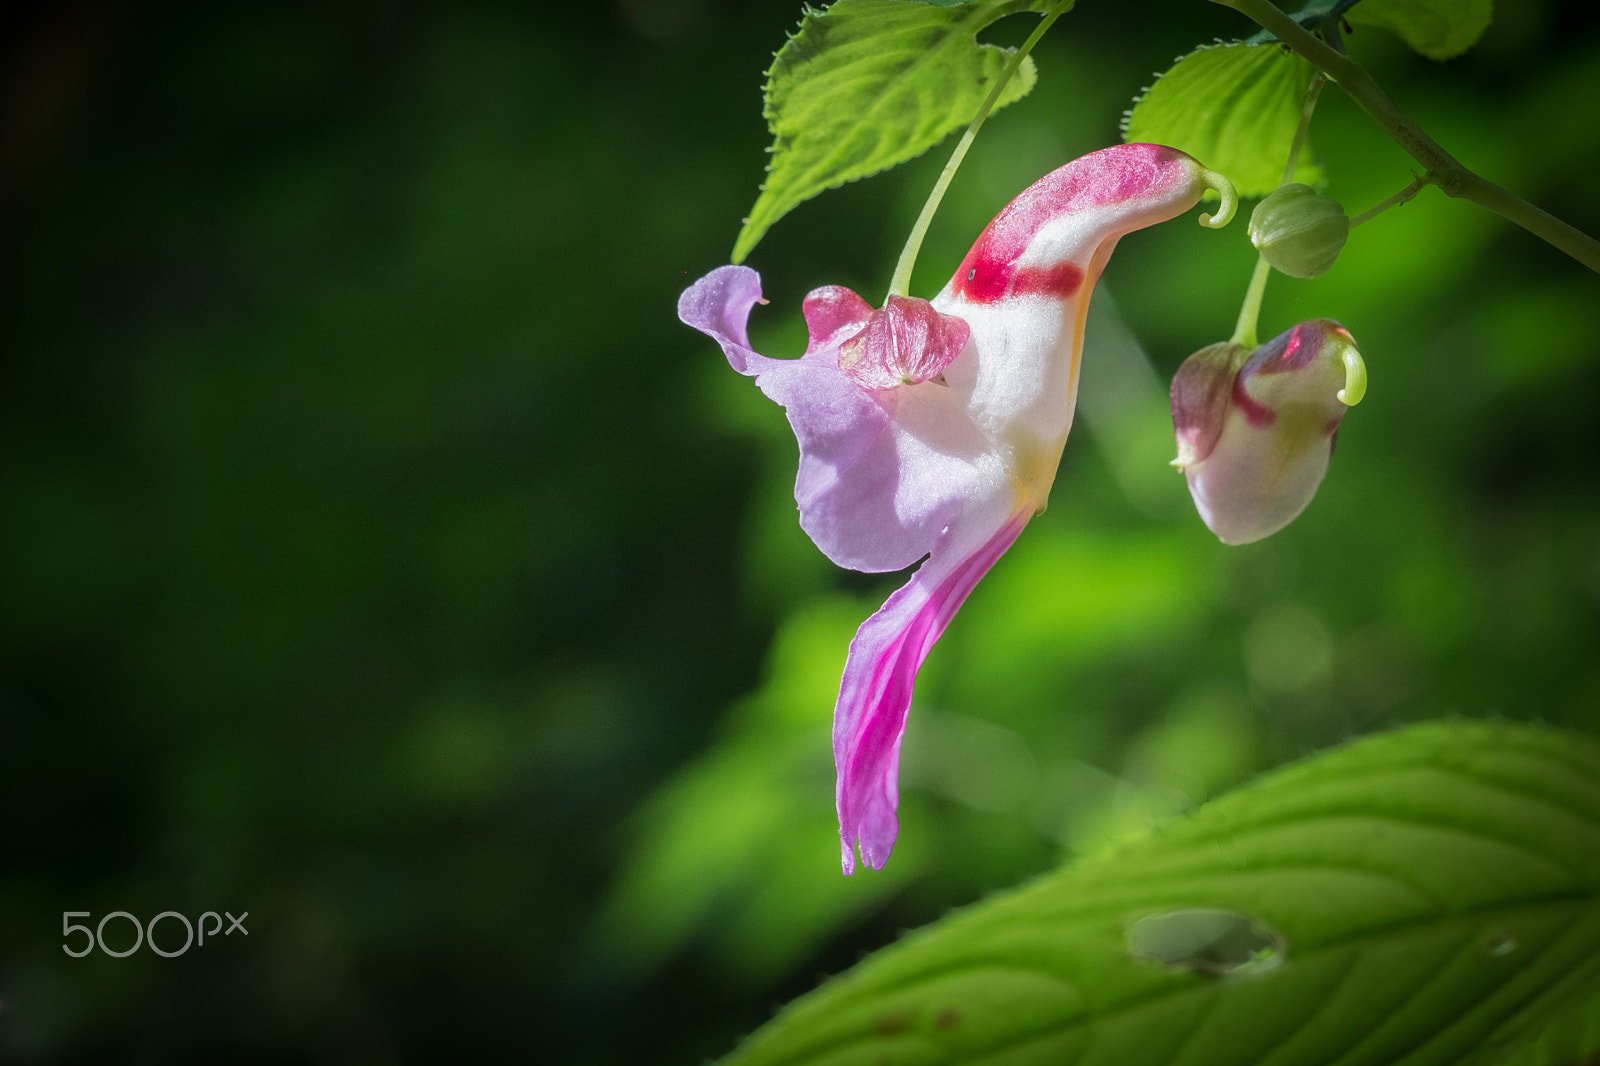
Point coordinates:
[[908, 255], [1314, 90], [1244, 333], [1250, 311], [1442, 169]]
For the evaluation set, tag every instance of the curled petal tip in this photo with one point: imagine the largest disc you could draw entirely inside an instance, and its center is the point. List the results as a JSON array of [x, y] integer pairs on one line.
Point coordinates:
[[1230, 200], [1355, 377]]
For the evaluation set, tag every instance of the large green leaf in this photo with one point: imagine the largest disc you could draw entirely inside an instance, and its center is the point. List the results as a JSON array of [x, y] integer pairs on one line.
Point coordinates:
[[1235, 107], [1425, 896], [869, 84], [1439, 29], [1571, 1039]]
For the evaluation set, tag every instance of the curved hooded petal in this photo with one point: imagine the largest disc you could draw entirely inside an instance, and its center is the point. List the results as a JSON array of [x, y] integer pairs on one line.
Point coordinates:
[[1024, 290], [1255, 429]]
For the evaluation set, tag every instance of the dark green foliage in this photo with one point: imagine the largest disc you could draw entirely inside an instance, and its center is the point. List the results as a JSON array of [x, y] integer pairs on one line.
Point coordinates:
[[381, 557]]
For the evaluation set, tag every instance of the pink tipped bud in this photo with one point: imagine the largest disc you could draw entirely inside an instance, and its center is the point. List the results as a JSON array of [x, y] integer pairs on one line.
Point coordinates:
[[1255, 429]]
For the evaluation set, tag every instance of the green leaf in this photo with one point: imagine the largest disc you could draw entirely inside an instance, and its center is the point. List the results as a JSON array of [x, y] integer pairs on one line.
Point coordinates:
[[1427, 896], [1571, 1039], [869, 84], [1235, 107], [1438, 29]]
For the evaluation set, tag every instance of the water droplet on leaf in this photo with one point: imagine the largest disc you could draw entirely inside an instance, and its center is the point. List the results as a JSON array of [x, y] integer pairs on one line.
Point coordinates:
[[1206, 940], [1500, 946]]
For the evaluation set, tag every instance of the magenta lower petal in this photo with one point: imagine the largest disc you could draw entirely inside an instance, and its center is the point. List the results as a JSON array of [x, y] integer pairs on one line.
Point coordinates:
[[879, 675]]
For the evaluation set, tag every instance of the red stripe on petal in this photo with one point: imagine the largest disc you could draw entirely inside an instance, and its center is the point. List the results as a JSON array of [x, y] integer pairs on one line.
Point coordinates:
[[1059, 281], [1254, 412]]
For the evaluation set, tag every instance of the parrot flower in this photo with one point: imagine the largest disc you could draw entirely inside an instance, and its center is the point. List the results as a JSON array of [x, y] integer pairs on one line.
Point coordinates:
[[934, 428], [1255, 429]]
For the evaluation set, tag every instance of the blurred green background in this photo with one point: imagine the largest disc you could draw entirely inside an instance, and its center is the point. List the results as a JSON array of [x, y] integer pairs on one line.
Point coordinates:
[[382, 558]]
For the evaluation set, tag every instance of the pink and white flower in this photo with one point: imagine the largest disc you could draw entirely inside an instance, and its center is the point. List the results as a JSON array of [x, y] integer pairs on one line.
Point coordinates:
[[934, 428], [1255, 429]]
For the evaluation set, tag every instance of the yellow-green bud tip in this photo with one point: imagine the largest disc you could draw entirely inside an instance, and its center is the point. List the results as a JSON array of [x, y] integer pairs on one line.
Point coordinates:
[[1230, 199], [1355, 377]]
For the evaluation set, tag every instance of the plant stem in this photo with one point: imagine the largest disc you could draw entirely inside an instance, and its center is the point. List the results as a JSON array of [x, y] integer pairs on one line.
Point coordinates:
[[1250, 311], [1394, 201], [1314, 90], [1441, 168], [908, 255]]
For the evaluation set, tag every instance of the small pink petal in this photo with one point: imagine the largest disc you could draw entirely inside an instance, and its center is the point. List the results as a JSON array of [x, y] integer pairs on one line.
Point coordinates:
[[833, 314], [906, 343]]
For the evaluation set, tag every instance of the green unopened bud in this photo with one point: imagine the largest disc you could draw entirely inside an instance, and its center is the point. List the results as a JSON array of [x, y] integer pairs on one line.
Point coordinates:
[[1298, 230]]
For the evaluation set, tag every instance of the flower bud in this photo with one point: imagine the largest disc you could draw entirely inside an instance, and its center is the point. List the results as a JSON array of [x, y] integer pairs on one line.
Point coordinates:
[[1255, 429], [1298, 230]]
